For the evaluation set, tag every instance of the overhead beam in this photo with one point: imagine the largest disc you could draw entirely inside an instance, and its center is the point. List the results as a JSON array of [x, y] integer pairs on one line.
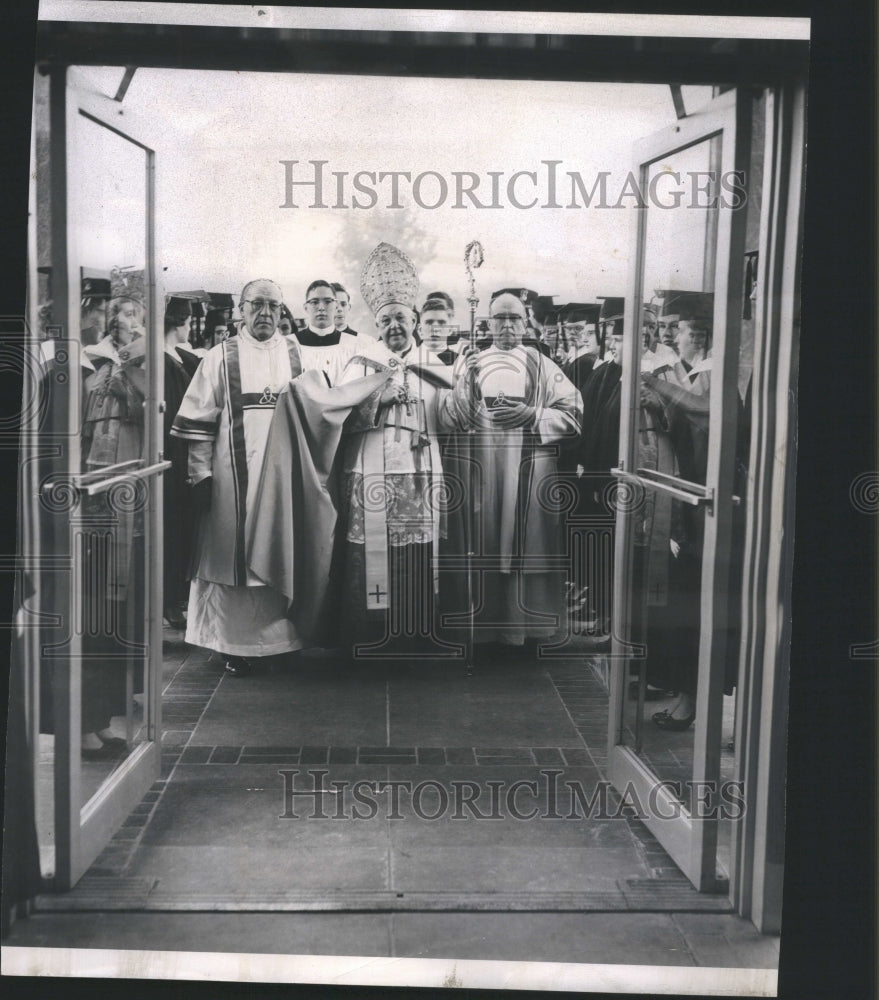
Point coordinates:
[[734, 62]]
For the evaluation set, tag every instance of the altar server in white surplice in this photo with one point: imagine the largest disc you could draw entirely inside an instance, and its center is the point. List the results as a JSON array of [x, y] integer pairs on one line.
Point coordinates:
[[322, 346]]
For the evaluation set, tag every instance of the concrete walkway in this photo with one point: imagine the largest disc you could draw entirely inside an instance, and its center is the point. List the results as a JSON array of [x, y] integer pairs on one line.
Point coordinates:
[[447, 810]]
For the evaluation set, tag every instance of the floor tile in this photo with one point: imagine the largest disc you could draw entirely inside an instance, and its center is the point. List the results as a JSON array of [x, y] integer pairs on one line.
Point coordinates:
[[484, 710], [266, 933], [241, 805], [479, 805], [608, 938], [492, 867], [326, 863], [286, 710], [725, 940]]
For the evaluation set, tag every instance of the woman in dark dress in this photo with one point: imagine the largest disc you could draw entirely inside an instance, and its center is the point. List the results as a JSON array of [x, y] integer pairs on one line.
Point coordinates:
[[179, 524], [112, 540]]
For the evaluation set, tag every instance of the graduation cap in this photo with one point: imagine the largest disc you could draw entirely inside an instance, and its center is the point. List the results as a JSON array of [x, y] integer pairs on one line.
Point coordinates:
[[95, 288], [580, 312], [215, 318], [220, 301], [610, 311], [542, 305], [178, 308], [689, 307], [612, 308]]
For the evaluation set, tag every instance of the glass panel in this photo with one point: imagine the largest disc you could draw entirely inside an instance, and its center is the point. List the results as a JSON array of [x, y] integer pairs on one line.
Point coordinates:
[[108, 212], [673, 348]]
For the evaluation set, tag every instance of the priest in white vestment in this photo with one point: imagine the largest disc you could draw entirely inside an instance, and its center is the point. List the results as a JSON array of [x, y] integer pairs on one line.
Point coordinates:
[[225, 415], [525, 409]]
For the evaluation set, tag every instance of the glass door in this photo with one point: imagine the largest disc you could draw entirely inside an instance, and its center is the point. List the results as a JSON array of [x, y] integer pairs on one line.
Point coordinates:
[[674, 646], [100, 486]]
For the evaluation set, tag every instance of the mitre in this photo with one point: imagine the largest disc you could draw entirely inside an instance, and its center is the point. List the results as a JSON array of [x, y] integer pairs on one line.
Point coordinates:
[[388, 276]]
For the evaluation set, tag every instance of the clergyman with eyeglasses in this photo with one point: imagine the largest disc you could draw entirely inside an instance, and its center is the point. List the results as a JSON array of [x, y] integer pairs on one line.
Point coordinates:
[[524, 408], [225, 416]]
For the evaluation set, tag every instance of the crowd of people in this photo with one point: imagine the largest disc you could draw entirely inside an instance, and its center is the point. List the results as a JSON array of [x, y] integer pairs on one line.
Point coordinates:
[[397, 493]]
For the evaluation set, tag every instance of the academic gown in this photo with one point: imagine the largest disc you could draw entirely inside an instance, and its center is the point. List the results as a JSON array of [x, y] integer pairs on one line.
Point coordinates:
[[595, 390], [652, 517], [112, 540], [675, 658], [577, 371], [179, 523]]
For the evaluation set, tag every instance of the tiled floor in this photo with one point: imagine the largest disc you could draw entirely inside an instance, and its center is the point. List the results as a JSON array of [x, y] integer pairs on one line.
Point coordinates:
[[442, 791]]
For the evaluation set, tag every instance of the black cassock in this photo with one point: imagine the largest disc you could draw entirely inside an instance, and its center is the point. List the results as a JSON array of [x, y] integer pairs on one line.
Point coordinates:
[[179, 522]]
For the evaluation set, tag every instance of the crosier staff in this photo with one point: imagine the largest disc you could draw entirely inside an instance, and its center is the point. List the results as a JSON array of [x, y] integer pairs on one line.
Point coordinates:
[[473, 258]]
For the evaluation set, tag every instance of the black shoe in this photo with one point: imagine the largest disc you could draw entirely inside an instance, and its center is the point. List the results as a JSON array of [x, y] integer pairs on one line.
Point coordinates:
[[114, 743], [238, 666], [109, 749], [668, 722]]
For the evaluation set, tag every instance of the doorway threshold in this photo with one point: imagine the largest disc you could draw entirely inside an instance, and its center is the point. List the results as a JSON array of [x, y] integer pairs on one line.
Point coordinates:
[[133, 894]]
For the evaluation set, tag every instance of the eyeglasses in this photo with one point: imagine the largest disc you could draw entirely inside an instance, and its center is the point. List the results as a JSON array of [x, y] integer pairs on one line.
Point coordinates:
[[319, 302], [511, 318], [399, 318], [260, 304]]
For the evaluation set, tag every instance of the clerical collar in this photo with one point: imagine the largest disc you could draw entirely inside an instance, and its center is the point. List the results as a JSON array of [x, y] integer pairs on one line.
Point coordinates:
[[313, 338], [264, 345]]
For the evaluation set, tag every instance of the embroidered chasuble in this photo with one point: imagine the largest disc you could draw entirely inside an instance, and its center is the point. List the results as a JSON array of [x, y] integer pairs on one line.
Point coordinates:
[[518, 529]]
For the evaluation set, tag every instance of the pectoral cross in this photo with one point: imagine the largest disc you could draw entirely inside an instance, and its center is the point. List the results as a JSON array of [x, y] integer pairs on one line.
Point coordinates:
[[407, 399]]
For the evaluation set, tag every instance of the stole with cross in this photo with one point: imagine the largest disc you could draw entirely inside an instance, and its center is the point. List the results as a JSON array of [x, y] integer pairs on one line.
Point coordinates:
[[407, 414]]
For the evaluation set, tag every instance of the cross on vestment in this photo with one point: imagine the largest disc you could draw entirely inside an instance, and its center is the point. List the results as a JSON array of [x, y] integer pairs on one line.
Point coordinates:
[[378, 593]]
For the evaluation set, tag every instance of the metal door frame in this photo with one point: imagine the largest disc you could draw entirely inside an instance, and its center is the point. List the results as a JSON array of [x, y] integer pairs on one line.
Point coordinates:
[[83, 829], [690, 841]]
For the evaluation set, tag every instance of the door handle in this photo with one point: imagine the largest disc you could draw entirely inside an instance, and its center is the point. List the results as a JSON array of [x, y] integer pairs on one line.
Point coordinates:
[[694, 494], [102, 485]]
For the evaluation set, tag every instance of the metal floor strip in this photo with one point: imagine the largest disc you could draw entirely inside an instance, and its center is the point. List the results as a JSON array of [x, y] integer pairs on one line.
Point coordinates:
[[119, 894]]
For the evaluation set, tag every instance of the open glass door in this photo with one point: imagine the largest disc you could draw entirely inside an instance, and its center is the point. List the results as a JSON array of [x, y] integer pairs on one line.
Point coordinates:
[[675, 650], [100, 487]]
